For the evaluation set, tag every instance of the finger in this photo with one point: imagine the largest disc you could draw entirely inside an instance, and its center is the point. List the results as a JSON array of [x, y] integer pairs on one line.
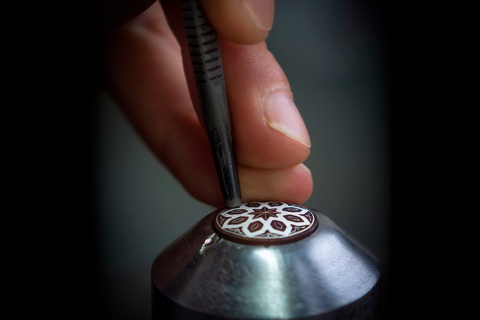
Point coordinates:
[[241, 21], [293, 184], [268, 129], [145, 76], [117, 12]]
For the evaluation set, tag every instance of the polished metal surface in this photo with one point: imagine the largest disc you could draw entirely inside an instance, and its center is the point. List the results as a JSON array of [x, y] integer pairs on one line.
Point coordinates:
[[322, 276]]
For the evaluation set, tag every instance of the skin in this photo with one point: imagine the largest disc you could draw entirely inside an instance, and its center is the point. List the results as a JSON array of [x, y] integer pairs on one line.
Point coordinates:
[[144, 74]]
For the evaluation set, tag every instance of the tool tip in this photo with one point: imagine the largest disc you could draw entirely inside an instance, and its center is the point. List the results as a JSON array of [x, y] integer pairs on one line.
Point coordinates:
[[233, 202]]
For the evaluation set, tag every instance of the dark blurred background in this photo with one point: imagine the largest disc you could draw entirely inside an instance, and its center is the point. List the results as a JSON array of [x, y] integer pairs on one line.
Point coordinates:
[[335, 55]]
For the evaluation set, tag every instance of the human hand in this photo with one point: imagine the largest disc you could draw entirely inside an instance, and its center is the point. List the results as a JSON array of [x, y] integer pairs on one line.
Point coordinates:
[[145, 76]]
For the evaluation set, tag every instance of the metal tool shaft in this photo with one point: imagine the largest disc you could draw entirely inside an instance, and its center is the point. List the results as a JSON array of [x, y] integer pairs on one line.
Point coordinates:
[[208, 71]]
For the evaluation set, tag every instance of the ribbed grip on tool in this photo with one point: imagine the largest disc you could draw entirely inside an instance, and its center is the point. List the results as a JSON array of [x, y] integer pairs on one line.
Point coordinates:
[[202, 42], [212, 94]]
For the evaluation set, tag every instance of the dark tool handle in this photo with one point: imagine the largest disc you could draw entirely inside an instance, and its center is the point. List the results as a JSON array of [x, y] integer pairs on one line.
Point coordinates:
[[208, 71]]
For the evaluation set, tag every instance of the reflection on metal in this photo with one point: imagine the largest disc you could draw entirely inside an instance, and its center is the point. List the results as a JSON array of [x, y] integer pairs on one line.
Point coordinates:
[[204, 275], [208, 242]]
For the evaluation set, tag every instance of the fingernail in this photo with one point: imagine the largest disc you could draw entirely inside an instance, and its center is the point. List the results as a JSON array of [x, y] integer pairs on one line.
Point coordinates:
[[262, 12], [283, 116]]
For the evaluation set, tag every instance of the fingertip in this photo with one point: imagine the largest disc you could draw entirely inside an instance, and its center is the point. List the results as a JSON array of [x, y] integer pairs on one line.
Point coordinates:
[[283, 116], [292, 184], [261, 13], [302, 187], [241, 21]]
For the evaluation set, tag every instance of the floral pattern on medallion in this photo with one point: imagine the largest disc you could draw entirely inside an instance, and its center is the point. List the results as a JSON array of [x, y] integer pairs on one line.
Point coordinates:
[[265, 220]]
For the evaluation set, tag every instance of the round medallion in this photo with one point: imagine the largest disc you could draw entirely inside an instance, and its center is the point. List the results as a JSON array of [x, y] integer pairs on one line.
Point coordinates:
[[265, 222]]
